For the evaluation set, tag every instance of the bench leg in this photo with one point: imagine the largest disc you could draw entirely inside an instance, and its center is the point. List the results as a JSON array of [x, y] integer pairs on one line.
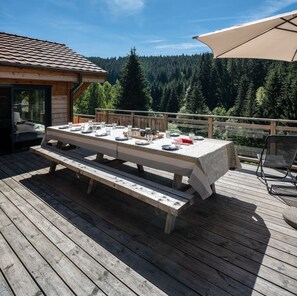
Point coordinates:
[[140, 168], [99, 157], [53, 164], [170, 223], [90, 187], [52, 167]]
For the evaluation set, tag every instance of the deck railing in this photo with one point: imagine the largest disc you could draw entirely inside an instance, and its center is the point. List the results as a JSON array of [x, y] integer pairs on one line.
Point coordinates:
[[247, 133]]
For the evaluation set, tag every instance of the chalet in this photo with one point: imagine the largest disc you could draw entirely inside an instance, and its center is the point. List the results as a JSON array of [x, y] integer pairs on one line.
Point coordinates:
[[39, 81]]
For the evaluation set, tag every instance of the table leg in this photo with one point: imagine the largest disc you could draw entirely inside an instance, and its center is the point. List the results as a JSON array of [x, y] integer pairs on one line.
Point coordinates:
[[213, 188], [53, 164], [177, 181]]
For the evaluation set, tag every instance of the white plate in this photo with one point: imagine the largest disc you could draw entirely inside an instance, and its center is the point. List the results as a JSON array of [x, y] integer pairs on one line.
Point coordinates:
[[101, 134], [199, 138], [75, 129], [140, 142], [121, 138], [170, 147], [63, 126]]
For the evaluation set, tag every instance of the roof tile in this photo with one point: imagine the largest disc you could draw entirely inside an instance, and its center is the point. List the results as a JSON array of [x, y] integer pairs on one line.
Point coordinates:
[[29, 52]]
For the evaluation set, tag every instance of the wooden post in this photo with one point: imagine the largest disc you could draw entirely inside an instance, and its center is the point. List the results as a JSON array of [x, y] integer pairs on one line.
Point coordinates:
[[165, 122], [106, 115], [210, 127], [273, 128], [132, 119]]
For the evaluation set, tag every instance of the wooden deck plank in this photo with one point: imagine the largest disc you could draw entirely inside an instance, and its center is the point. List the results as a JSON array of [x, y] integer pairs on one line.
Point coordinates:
[[39, 269], [15, 273], [168, 266], [4, 286], [203, 269], [99, 253], [143, 288], [58, 261], [232, 243]]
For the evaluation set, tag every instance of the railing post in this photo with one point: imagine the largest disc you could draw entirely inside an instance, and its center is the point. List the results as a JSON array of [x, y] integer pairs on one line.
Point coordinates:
[[106, 116], [273, 128], [165, 122], [210, 127], [132, 118]]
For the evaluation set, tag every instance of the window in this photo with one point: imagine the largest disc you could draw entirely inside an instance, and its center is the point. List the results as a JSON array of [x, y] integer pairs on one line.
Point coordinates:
[[31, 114]]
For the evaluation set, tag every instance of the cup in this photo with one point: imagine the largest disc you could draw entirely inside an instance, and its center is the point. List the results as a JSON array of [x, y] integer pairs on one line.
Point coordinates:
[[167, 134], [149, 137], [178, 142], [94, 128], [108, 130], [129, 133], [191, 136], [70, 124]]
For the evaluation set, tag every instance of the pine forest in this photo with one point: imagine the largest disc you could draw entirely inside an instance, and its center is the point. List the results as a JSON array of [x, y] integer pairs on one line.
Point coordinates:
[[196, 84]]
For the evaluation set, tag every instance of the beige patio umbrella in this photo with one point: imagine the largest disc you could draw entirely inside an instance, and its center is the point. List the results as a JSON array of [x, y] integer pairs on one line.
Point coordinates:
[[272, 38]]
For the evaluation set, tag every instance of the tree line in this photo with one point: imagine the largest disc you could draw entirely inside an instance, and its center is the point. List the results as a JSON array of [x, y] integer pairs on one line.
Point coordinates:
[[195, 84]]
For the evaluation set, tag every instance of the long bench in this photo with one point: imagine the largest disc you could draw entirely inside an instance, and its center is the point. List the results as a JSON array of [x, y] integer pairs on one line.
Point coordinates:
[[167, 199]]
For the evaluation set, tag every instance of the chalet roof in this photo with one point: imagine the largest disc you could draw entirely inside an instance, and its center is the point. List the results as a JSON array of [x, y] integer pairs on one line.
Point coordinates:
[[23, 51]]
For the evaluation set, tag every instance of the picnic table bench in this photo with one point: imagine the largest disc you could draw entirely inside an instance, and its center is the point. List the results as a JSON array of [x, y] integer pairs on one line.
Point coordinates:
[[169, 200]]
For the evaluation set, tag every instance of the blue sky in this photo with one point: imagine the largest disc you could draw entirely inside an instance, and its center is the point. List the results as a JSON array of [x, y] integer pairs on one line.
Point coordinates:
[[110, 28]]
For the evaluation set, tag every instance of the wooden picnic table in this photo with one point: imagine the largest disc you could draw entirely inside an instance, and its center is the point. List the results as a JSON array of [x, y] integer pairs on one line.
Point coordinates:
[[203, 162]]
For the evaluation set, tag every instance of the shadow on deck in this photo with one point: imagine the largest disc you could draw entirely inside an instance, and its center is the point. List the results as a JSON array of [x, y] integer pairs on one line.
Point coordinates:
[[65, 241]]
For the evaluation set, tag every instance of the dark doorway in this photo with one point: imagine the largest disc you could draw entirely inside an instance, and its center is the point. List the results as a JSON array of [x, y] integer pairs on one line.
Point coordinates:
[[5, 120]]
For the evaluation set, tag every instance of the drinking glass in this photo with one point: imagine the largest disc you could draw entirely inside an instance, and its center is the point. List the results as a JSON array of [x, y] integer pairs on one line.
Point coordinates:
[[129, 133], [167, 134], [191, 136], [108, 130], [70, 124], [149, 137]]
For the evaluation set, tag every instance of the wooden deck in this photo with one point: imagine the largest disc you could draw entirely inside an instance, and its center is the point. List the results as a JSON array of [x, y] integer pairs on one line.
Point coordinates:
[[57, 240]]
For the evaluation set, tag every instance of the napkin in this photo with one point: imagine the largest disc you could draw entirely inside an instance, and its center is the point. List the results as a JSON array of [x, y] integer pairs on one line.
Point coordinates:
[[187, 141]]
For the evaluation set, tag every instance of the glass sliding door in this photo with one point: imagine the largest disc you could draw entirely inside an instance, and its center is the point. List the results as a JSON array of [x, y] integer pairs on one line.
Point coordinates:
[[31, 114]]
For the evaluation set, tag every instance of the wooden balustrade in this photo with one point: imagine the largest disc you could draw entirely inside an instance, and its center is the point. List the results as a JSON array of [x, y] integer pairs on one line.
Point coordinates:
[[211, 126]]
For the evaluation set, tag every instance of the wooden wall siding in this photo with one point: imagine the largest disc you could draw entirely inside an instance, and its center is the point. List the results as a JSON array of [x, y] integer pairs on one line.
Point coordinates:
[[18, 73], [60, 105]]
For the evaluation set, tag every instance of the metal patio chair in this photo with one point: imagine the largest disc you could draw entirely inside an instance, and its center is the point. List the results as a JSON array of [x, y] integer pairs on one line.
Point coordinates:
[[279, 153]]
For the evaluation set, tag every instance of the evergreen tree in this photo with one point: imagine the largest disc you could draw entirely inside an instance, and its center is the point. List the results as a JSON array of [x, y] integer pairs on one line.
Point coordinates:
[[164, 99], [195, 101], [134, 94], [249, 105], [241, 95], [96, 97], [173, 102], [273, 104]]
